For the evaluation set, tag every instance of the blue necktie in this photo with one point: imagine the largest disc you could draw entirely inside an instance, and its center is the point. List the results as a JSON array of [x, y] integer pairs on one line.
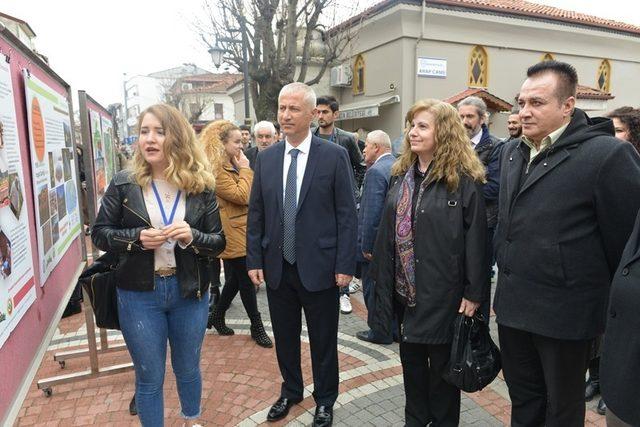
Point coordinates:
[[289, 210]]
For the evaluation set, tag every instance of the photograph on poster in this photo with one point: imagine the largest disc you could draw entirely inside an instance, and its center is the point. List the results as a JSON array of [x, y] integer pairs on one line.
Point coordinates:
[[67, 161], [62, 203], [5, 255], [55, 230], [71, 196], [48, 116], [16, 198], [46, 232], [4, 189], [43, 204], [57, 155], [53, 203]]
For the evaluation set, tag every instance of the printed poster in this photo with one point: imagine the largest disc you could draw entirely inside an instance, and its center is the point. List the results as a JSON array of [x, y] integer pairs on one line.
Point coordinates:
[[53, 173], [99, 166], [109, 148], [101, 129], [17, 289]]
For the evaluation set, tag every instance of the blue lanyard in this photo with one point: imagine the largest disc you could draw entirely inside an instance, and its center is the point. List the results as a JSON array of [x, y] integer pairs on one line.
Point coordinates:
[[159, 200]]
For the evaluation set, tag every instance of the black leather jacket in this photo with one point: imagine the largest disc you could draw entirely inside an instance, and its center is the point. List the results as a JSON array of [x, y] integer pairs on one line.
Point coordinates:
[[123, 215]]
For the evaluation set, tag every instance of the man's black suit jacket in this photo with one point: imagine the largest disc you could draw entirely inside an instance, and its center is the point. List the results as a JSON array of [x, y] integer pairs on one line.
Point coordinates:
[[326, 221]]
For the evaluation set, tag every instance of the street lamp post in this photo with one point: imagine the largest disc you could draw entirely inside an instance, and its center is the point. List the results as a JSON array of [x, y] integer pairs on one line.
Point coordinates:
[[126, 109], [217, 52]]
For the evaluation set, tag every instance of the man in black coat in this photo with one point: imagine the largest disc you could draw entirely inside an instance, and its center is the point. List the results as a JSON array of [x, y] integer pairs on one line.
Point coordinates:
[[473, 113], [327, 110], [301, 239], [569, 194]]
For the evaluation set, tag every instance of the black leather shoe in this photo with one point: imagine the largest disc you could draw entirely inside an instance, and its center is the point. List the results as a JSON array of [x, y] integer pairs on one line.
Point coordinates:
[[592, 389], [366, 336], [133, 409], [602, 407], [323, 416], [280, 409]]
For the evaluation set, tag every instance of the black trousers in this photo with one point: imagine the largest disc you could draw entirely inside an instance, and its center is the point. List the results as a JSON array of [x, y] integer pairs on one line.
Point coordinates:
[[429, 398], [321, 310], [545, 377], [237, 279], [485, 305]]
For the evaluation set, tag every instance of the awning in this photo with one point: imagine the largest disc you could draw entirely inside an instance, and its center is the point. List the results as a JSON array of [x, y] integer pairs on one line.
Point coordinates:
[[364, 109]]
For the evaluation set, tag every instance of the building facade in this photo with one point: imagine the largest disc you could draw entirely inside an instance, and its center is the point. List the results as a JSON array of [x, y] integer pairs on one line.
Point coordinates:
[[407, 50], [142, 91]]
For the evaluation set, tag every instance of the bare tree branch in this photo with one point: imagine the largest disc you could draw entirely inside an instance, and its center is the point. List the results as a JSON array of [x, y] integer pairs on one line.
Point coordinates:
[[282, 41]]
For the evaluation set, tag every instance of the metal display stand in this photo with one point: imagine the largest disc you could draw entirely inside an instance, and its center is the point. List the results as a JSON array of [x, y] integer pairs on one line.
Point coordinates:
[[95, 371], [93, 351]]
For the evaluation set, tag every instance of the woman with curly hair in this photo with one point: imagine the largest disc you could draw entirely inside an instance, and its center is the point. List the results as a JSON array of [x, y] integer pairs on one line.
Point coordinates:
[[222, 142], [429, 259], [626, 121], [161, 219]]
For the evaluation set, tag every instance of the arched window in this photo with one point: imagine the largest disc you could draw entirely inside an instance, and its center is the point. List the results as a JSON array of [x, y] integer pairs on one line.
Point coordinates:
[[603, 78], [358, 75], [548, 57], [478, 66]]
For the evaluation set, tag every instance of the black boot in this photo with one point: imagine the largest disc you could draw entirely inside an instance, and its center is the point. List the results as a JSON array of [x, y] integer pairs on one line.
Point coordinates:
[[216, 319], [215, 297], [258, 333], [602, 407], [133, 408], [592, 388]]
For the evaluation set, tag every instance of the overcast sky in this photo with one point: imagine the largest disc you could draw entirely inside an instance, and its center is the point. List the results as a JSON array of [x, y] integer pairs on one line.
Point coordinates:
[[91, 44]]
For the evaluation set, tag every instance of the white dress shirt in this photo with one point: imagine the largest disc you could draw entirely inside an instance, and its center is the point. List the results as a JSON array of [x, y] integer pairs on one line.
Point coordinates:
[[476, 138], [303, 156]]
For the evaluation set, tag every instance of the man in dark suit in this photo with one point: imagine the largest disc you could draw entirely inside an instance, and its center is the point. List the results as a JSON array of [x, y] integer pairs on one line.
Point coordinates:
[[569, 193], [377, 156], [474, 115], [301, 240]]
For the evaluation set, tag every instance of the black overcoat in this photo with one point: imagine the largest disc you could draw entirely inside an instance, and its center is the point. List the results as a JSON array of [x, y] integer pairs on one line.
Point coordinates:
[[450, 231], [562, 225], [620, 362]]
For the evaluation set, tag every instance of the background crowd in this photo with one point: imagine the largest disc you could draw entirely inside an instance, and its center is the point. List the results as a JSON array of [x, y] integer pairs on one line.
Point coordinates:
[[304, 208]]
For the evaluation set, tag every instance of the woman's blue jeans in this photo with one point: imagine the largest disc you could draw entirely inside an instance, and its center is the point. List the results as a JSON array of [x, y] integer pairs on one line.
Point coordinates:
[[147, 320]]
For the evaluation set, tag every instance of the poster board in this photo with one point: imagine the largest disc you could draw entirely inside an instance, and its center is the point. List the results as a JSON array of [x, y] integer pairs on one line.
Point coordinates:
[[99, 147], [26, 344], [17, 285], [53, 173]]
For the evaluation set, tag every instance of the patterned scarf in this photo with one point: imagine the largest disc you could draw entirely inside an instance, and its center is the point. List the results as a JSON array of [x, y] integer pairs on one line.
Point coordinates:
[[405, 265]]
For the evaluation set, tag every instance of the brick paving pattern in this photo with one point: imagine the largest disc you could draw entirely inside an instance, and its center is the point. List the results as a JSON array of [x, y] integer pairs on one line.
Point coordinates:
[[241, 381]]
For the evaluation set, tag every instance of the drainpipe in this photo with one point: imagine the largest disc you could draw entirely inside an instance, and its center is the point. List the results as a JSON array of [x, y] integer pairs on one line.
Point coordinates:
[[415, 59]]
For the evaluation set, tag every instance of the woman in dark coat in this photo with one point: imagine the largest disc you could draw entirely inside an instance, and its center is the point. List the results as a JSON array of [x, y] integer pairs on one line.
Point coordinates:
[[620, 364], [429, 257], [620, 360]]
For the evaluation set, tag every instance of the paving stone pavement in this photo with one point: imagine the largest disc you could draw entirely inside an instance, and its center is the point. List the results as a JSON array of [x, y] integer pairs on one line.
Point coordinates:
[[241, 381]]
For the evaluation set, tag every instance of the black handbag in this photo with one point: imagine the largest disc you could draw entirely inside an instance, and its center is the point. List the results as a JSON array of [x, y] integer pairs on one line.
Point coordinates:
[[475, 358], [98, 281]]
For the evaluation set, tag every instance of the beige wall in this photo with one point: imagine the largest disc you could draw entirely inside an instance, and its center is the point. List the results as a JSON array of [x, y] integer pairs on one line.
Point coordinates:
[[388, 43]]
